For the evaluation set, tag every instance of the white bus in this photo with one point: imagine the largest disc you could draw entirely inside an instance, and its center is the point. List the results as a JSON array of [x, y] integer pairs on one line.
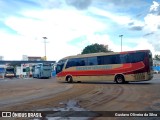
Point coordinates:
[[42, 70]]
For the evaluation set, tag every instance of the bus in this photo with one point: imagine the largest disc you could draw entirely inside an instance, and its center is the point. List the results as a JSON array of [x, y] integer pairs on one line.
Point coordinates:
[[10, 72], [42, 70], [120, 67]]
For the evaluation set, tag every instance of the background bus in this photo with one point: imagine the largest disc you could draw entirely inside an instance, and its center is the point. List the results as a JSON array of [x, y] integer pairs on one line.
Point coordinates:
[[120, 67], [42, 70], [10, 72]]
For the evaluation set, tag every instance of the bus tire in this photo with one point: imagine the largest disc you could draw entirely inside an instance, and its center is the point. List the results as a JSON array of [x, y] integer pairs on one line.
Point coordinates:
[[69, 79], [119, 79]]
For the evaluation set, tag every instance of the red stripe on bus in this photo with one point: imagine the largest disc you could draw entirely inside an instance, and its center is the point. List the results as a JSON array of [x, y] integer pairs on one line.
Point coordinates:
[[126, 68]]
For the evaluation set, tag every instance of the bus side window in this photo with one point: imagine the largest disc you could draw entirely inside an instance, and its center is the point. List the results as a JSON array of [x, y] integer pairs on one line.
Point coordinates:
[[92, 61], [133, 57], [110, 59], [82, 63], [140, 56], [136, 57], [71, 63], [117, 59]]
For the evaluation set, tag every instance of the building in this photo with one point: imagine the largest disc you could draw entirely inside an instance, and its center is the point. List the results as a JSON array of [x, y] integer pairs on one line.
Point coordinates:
[[23, 67], [34, 58], [18, 63], [156, 66], [1, 58], [25, 57], [31, 58], [156, 62]]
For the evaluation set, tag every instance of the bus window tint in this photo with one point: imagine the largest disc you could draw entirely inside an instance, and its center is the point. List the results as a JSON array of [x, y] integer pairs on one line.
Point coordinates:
[[60, 65], [92, 61], [111, 59], [81, 62], [71, 63], [124, 58], [59, 68], [132, 57], [136, 57], [121, 59], [76, 62]]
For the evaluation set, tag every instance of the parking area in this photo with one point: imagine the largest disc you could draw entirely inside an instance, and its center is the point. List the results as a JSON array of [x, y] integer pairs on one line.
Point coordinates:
[[35, 94]]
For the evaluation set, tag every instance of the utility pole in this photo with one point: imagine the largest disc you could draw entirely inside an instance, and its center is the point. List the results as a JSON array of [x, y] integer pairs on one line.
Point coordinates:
[[121, 41], [45, 47]]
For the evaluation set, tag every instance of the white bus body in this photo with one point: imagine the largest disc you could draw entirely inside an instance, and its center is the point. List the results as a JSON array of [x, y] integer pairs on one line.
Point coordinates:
[[42, 71]]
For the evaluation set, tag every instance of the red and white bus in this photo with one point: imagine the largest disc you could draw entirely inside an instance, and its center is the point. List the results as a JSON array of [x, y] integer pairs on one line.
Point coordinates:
[[120, 67]]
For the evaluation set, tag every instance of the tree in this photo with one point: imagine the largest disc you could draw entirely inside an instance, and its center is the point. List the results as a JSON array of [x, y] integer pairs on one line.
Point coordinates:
[[157, 57], [95, 48]]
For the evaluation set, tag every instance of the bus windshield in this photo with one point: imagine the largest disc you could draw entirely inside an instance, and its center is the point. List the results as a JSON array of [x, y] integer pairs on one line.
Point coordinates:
[[60, 66], [9, 70], [47, 68]]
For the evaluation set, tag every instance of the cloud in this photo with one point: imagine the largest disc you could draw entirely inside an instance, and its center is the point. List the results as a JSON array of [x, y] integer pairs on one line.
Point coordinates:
[[128, 3], [14, 46], [151, 27], [136, 28], [106, 40], [131, 23], [120, 6], [119, 19], [152, 20], [151, 33], [69, 30], [141, 43], [59, 26], [155, 8], [79, 4], [144, 44], [51, 4], [54, 22], [13, 7]]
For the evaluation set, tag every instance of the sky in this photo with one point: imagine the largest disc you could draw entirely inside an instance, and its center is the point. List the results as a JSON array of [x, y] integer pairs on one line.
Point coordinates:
[[71, 25]]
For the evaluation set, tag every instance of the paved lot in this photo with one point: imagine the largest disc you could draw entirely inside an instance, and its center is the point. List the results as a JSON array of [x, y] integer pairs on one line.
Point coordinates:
[[35, 94]]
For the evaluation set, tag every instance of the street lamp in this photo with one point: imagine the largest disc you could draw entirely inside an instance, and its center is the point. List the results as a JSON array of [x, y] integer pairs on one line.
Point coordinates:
[[45, 46], [121, 41]]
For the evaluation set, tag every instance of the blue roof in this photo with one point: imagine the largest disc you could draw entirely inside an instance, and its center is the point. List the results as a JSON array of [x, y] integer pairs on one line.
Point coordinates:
[[157, 68], [2, 70]]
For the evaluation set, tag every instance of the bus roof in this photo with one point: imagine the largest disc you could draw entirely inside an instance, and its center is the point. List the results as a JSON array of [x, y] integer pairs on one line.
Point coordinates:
[[102, 53]]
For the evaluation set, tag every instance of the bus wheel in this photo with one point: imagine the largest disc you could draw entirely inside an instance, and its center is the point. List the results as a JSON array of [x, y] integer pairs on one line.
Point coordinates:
[[69, 79], [119, 79]]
